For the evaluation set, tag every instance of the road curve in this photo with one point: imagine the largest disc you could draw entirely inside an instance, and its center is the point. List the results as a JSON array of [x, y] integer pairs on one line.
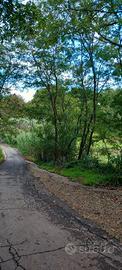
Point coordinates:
[[38, 232]]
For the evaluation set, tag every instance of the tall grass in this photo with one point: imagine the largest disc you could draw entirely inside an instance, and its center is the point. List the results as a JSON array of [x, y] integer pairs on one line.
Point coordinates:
[[29, 144], [1, 155]]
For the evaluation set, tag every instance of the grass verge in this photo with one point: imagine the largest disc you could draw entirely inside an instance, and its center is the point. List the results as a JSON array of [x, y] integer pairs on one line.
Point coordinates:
[[86, 173], [1, 156], [81, 175]]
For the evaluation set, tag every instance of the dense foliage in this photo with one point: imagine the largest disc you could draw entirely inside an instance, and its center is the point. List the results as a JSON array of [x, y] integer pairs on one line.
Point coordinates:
[[70, 53], [1, 155]]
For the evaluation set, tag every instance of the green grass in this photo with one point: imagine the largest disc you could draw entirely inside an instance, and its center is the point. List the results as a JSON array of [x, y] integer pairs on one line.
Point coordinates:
[[86, 177], [1, 155]]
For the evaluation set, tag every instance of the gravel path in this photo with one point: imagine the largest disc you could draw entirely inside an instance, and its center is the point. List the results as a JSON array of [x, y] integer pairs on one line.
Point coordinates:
[[101, 205]]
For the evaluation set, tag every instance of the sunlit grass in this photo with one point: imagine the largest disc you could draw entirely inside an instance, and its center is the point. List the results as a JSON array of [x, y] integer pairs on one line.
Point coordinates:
[[87, 177]]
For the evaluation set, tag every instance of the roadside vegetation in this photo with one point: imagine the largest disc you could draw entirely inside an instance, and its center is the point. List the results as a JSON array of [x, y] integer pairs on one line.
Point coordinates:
[[70, 53], [34, 139], [86, 174], [1, 155]]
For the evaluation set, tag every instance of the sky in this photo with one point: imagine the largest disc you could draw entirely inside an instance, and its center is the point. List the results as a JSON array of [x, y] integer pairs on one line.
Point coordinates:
[[27, 94]]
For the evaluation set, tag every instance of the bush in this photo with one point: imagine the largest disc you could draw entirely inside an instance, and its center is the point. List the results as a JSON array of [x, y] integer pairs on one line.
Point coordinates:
[[87, 162], [112, 180], [90, 162], [110, 174], [29, 144], [9, 139], [117, 162]]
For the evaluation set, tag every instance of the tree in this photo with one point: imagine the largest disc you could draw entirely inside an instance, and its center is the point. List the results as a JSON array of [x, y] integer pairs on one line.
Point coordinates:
[[78, 44], [67, 111]]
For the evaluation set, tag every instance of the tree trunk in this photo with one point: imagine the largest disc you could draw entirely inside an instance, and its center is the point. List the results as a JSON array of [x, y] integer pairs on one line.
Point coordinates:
[[85, 136], [56, 139], [53, 104], [94, 101], [83, 140], [90, 141]]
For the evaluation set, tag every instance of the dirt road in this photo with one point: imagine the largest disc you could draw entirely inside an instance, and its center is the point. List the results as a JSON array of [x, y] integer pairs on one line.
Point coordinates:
[[38, 231]]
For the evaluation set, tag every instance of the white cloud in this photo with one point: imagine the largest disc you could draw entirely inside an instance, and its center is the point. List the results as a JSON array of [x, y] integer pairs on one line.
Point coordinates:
[[27, 95]]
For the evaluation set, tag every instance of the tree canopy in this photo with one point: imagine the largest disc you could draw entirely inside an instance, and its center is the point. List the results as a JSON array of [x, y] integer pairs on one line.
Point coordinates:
[[70, 53]]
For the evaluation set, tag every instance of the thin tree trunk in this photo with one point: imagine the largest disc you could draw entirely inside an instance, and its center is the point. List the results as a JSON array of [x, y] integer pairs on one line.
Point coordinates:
[[94, 101], [53, 104], [90, 141], [84, 137], [82, 143], [55, 138]]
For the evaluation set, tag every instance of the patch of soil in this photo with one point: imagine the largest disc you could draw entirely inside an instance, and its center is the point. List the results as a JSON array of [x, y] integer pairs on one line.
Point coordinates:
[[100, 205]]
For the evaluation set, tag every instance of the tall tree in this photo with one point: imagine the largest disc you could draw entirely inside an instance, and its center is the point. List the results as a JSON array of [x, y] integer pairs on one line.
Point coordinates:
[[77, 39]]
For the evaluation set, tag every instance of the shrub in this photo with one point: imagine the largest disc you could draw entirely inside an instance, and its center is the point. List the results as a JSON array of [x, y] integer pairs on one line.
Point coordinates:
[[29, 144], [86, 162], [89, 162], [9, 139], [117, 162], [110, 174]]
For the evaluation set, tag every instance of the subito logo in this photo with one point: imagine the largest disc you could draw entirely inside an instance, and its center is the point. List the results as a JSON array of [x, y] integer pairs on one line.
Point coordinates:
[[70, 249]]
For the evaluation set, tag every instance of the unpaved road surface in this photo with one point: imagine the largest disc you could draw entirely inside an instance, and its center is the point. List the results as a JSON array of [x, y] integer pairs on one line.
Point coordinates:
[[38, 231], [101, 205]]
